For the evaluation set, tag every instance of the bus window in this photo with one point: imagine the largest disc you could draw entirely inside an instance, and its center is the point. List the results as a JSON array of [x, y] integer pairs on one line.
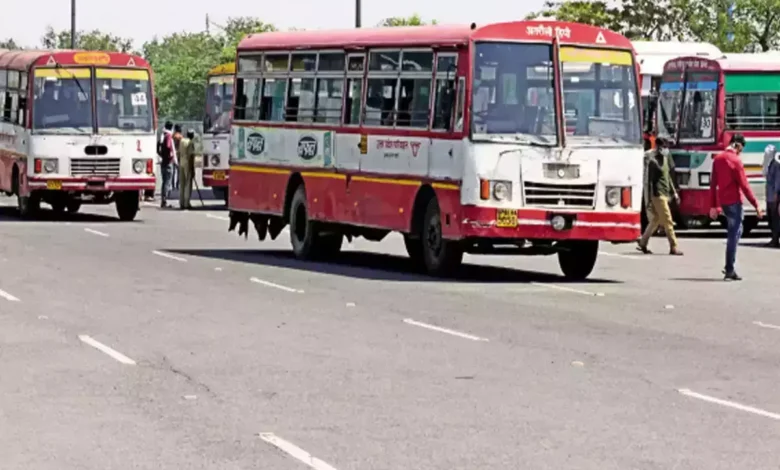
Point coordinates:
[[123, 101], [62, 101], [752, 112]]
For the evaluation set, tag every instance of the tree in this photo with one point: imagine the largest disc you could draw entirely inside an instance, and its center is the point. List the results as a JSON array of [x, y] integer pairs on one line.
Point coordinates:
[[9, 44], [757, 22], [414, 20], [597, 13], [181, 62], [94, 40], [235, 29]]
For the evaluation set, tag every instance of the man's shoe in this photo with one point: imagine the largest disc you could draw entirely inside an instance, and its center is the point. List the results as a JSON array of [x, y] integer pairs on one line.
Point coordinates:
[[733, 276], [675, 252], [644, 249]]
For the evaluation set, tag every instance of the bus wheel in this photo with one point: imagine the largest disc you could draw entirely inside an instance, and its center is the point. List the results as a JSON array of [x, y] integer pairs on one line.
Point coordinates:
[[127, 205], [58, 206], [440, 257], [28, 205], [577, 258], [308, 243], [414, 249], [73, 206]]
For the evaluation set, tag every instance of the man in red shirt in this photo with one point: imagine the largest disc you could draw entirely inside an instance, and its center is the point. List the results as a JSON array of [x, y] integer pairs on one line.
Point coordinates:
[[727, 184]]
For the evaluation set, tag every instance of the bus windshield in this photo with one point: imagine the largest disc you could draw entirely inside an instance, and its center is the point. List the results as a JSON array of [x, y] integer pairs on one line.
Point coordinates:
[[698, 112], [512, 98], [219, 100], [123, 101], [62, 101], [600, 95]]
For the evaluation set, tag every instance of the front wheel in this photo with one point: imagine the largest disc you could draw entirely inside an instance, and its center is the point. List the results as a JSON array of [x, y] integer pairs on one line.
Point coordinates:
[[577, 258], [127, 205], [440, 257]]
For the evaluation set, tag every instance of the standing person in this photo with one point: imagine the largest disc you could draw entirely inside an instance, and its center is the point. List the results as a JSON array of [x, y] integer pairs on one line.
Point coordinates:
[[166, 148], [177, 136], [772, 174], [727, 184], [660, 190], [186, 169]]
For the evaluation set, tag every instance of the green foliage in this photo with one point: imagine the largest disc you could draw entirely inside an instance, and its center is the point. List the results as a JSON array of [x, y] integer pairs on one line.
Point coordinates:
[[414, 20], [597, 13], [235, 29], [9, 44], [94, 40]]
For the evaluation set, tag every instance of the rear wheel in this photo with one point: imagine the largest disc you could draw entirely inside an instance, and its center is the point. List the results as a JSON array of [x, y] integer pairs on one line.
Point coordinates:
[[28, 205], [73, 206], [414, 249], [440, 257], [307, 240], [127, 205], [577, 258]]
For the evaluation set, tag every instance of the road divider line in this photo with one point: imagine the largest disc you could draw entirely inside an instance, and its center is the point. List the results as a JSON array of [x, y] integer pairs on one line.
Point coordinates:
[[730, 404], [275, 286], [766, 325], [217, 217], [409, 321], [95, 232], [567, 289], [295, 452], [621, 255], [166, 255], [105, 349], [8, 296]]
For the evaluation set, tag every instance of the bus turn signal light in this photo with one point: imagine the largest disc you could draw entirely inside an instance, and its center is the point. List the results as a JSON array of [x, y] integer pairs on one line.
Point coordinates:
[[38, 165], [484, 189], [150, 167], [625, 197]]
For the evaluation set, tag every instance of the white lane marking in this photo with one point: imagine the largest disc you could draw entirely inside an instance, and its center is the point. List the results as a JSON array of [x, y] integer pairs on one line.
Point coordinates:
[[567, 289], [730, 404], [103, 348], [95, 232], [766, 325], [166, 255], [218, 217], [409, 321], [294, 451], [621, 255], [276, 286], [8, 296]]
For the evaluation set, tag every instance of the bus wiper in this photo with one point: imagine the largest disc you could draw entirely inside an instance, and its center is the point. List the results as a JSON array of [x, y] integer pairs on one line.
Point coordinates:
[[72, 76]]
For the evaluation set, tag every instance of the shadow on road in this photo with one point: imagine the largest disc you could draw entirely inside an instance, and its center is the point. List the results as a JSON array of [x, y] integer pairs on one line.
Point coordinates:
[[376, 266], [698, 279], [11, 214]]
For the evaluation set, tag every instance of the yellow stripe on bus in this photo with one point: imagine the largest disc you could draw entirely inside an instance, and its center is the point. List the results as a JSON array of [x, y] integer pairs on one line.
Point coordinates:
[[257, 169], [62, 73], [223, 69], [127, 74], [341, 176], [595, 56]]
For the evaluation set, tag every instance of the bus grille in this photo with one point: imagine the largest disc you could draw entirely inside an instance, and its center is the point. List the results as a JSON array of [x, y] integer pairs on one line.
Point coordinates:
[[94, 167], [559, 195]]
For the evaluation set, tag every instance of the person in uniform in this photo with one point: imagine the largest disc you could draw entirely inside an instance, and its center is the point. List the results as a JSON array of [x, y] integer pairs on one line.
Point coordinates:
[[186, 169], [660, 191]]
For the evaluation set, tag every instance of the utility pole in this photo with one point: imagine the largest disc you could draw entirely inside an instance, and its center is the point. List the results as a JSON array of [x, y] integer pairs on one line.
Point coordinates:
[[72, 24], [357, 13]]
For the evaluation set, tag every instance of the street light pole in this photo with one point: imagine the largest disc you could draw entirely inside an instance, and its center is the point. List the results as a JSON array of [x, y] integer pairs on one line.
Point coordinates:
[[357, 13], [72, 24]]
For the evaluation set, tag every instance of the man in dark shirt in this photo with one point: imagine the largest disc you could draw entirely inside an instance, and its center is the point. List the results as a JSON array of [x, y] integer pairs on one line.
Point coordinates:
[[727, 184], [661, 191]]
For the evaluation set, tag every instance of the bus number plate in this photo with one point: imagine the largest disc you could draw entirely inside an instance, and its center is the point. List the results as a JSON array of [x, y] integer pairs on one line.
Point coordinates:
[[219, 175], [506, 218], [54, 184]]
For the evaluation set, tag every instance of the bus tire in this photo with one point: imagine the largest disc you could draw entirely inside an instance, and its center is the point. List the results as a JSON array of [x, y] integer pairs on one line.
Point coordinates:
[[414, 249], [440, 257], [577, 258], [73, 206], [28, 206], [308, 242], [127, 205], [58, 206]]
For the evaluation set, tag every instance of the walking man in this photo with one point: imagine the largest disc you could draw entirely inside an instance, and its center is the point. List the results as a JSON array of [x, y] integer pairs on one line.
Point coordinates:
[[660, 190], [186, 169], [166, 148], [727, 185], [772, 174]]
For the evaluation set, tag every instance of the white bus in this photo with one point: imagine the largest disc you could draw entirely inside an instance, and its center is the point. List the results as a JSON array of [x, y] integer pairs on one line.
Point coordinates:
[[216, 129], [76, 128]]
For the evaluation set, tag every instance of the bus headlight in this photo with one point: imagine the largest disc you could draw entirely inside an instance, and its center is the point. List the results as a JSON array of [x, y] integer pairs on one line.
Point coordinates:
[[215, 160], [139, 166], [612, 197], [50, 166], [502, 190], [704, 179]]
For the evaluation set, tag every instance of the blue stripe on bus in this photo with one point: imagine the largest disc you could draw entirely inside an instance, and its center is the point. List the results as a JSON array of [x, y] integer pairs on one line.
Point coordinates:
[[677, 86]]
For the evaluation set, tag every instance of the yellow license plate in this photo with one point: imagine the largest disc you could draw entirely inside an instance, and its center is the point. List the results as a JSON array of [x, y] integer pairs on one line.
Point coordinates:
[[506, 218], [219, 175], [54, 185]]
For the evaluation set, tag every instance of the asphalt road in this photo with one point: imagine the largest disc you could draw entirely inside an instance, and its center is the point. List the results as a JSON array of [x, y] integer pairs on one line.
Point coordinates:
[[168, 343]]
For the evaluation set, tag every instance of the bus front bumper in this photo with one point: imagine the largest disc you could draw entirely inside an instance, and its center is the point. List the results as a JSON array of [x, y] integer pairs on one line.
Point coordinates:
[[94, 184], [216, 178], [549, 224]]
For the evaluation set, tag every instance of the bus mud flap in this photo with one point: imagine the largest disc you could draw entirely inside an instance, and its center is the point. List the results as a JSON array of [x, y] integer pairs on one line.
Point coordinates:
[[240, 219], [261, 225]]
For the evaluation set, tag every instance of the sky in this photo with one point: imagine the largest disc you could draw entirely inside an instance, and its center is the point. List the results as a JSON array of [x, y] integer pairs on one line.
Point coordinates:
[[25, 21]]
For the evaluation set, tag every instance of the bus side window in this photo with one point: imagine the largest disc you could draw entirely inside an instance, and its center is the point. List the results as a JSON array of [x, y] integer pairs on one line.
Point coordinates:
[[444, 86], [460, 104], [354, 90], [239, 111]]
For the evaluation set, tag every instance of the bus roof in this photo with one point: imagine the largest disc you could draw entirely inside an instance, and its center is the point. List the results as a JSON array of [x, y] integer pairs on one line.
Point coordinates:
[[436, 35], [223, 69], [653, 55], [759, 62], [23, 60]]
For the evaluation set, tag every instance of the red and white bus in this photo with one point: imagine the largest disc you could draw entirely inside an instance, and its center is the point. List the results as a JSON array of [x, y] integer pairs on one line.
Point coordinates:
[[76, 127], [216, 129], [521, 137]]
